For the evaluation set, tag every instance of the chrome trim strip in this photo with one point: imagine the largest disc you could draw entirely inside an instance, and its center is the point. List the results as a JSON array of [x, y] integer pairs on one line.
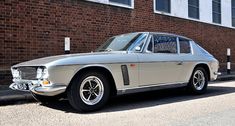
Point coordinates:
[[149, 88]]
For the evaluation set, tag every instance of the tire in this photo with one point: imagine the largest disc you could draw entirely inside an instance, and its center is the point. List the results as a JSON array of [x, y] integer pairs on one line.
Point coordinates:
[[88, 92], [46, 99], [198, 86]]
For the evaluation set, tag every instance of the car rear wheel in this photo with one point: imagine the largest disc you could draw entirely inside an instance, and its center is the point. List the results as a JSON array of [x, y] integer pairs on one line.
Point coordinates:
[[88, 92], [198, 81]]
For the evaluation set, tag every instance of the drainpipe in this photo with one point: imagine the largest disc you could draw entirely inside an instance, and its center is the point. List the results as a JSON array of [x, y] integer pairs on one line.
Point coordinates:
[[67, 45], [228, 61]]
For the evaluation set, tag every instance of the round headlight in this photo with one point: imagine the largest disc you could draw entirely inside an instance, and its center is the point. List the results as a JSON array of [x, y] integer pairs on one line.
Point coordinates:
[[39, 73], [15, 73], [42, 73], [45, 74]]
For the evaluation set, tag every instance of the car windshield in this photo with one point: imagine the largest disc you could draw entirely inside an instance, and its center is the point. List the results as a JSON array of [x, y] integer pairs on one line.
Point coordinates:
[[119, 43]]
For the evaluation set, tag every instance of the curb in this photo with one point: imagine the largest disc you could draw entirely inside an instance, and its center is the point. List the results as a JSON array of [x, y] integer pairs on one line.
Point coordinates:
[[8, 97], [226, 77]]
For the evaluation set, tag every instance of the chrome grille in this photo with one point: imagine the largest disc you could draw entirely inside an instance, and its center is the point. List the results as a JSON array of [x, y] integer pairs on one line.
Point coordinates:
[[28, 73]]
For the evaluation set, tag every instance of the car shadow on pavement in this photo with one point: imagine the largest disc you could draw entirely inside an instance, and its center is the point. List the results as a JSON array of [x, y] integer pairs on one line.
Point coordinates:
[[146, 99]]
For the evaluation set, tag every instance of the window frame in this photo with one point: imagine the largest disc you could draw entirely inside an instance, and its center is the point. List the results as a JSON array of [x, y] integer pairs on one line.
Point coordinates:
[[195, 7], [122, 5], [108, 2], [159, 11], [215, 12]]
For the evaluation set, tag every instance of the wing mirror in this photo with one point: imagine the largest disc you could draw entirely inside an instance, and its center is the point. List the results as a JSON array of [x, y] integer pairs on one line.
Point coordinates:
[[137, 48]]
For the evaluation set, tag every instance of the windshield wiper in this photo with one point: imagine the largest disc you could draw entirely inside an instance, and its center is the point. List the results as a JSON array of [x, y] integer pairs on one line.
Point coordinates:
[[105, 50]]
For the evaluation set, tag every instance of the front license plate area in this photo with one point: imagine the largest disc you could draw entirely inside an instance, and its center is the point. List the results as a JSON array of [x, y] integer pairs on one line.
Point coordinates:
[[23, 86]]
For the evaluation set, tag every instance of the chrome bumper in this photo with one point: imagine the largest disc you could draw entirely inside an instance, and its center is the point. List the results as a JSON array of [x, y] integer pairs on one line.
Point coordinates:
[[217, 73], [40, 90]]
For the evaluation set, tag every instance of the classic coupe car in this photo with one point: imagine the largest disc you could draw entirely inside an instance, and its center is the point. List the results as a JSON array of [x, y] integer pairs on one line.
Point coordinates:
[[127, 63]]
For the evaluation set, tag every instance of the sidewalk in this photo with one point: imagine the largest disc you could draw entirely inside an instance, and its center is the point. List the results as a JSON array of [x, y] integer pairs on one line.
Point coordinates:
[[8, 96]]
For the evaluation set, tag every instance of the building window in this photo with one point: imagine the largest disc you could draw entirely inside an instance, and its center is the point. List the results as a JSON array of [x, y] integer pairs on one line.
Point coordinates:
[[120, 3], [216, 9], [193, 9], [233, 13], [124, 2], [163, 5]]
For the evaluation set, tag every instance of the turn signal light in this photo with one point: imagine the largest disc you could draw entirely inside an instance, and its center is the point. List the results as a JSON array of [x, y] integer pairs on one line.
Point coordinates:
[[45, 82]]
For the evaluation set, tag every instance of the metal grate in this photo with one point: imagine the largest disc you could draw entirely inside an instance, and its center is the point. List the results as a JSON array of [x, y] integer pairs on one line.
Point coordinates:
[[28, 73]]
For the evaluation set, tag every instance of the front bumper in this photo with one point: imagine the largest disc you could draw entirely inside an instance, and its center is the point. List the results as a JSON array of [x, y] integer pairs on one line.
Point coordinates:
[[52, 90]]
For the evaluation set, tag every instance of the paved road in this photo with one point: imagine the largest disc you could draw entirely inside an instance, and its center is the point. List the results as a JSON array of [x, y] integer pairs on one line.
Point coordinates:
[[169, 107]]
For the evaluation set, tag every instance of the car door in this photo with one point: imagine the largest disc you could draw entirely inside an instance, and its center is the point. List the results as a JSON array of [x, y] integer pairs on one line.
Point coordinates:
[[186, 55], [160, 63]]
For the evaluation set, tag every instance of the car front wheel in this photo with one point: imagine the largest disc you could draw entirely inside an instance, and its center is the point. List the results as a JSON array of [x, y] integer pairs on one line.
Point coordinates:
[[88, 92], [198, 81]]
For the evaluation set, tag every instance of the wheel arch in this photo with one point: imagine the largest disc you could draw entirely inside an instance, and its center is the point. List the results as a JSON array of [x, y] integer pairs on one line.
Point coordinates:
[[204, 66], [98, 68]]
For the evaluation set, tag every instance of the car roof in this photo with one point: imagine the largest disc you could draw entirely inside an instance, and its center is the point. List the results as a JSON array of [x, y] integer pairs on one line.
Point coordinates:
[[170, 34], [161, 33]]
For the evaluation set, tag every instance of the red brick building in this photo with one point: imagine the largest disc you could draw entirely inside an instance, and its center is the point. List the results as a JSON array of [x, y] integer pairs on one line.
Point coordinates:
[[31, 29]]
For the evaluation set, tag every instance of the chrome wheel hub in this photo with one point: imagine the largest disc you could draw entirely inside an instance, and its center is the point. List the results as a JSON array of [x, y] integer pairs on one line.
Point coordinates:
[[199, 80], [91, 90]]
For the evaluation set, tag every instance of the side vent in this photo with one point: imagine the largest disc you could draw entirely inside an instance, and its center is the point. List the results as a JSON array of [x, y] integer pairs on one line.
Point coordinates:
[[125, 75]]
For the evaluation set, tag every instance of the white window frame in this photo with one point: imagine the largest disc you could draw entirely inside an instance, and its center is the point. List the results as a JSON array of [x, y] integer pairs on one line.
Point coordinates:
[[114, 3]]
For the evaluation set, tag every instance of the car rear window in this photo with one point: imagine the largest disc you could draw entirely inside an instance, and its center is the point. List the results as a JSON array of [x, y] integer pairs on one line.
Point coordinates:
[[184, 45]]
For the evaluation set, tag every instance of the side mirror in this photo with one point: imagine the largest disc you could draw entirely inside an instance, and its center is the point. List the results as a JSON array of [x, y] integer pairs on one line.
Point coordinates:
[[137, 48]]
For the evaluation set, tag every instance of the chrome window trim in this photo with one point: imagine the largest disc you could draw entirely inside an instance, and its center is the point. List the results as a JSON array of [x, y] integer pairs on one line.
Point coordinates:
[[142, 49], [178, 45]]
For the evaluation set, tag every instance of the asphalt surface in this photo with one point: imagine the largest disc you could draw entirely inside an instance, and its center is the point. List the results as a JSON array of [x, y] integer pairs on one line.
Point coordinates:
[[174, 107]]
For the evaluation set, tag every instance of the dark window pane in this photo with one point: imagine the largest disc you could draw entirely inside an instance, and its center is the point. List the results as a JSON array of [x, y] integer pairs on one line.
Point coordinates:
[[184, 46], [193, 12], [233, 3], [216, 18], [165, 44], [233, 22], [163, 5], [216, 7], [127, 2], [233, 12], [194, 2]]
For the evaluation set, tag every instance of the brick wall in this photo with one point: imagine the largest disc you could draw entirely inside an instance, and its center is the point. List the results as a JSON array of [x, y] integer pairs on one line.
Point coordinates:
[[31, 29]]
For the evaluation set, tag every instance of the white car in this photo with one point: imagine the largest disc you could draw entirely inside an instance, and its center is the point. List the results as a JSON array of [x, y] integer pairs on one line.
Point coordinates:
[[126, 63]]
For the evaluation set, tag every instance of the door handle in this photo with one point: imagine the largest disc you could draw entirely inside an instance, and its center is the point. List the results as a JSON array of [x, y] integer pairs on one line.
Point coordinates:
[[180, 63]]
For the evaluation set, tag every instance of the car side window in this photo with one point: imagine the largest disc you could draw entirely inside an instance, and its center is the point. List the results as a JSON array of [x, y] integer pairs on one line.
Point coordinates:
[[184, 45], [164, 44]]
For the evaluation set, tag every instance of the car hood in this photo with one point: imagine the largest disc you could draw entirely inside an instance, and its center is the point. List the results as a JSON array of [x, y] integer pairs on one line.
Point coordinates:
[[64, 59]]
